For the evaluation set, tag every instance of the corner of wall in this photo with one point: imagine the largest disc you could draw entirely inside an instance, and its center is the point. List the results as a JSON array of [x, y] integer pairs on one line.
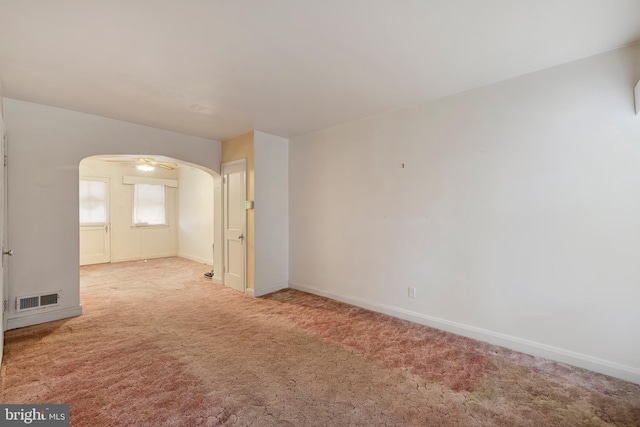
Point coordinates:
[[271, 212]]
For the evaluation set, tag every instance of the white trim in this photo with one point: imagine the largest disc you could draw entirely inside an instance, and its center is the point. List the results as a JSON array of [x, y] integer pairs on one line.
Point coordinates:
[[49, 316], [147, 180], [138, 258], [250, 292], [208, 263], [217, 280], [270, 289], [627, 373], [95, 178], [234, 162]]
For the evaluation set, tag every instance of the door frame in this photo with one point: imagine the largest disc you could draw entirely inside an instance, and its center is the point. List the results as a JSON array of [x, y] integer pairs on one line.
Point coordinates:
[[223, 166]]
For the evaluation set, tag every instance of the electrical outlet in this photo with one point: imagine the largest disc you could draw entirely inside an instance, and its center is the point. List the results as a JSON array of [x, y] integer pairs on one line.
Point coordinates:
[[412, 292]]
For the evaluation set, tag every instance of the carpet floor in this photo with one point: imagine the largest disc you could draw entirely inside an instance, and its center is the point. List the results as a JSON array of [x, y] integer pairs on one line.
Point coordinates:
[[160, 345]]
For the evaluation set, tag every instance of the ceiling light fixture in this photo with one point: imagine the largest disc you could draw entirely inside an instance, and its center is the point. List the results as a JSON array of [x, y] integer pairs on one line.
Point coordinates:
[[146, 168]]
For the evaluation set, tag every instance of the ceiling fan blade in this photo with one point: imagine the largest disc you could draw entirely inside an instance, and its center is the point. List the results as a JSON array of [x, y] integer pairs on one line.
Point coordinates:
[[163, 166]]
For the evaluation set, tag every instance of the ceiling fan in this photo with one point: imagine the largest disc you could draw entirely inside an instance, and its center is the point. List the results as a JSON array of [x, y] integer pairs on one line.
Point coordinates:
[[144, 164], [149, 163]]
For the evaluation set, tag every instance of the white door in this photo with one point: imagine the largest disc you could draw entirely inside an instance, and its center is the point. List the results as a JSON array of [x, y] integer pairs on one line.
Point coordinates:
[[234, 220], [3, 227], [95, 236]]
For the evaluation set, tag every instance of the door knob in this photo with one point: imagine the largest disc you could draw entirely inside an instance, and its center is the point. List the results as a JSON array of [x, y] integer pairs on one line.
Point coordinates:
[[240, 237], [9, 252]]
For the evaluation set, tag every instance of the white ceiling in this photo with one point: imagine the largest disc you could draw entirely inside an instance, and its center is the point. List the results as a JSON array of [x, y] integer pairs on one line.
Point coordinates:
[[219, 68]]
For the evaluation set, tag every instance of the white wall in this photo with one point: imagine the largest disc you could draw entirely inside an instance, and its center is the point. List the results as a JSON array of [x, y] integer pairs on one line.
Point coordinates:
[[134, 243], [195, 205], [271, 178], [46, 145], [516, 215]]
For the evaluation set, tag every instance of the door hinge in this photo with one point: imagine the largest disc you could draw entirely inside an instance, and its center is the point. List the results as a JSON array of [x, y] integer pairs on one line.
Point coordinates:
[[224, 180], [5, 305], [5, 160]]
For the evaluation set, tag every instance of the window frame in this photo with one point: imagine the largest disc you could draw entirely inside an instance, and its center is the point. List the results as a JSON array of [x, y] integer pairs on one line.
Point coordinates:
[[106, 182], [134, 224]]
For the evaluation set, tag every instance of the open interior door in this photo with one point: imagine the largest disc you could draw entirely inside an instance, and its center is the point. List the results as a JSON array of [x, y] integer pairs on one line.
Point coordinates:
[[234, 219]]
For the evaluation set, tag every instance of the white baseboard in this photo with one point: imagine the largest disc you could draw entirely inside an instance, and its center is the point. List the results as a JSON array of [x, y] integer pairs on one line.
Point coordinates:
[[270, 289], [197, 259], [266, 290], [627, 373], [43, 317], [138, 258]]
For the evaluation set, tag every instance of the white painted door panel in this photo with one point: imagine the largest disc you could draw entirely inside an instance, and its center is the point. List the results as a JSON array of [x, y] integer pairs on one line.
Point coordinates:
[[95, 245], [234, 220]]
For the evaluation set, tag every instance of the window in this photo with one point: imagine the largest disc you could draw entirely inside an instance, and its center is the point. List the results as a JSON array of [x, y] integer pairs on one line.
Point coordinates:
[[93, 203], [149, 205]]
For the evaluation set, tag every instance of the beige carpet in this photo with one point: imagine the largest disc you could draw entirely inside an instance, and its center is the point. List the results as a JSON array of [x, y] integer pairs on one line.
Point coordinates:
[[160, 345]]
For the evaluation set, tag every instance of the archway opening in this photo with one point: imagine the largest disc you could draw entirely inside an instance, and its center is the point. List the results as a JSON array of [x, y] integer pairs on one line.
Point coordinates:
[[135, 208]]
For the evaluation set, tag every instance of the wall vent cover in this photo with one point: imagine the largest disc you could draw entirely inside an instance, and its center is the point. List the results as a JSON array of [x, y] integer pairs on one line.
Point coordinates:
[[37, 301]]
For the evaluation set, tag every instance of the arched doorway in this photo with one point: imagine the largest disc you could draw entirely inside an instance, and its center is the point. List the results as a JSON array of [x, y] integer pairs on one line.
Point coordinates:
[[142, 207]]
